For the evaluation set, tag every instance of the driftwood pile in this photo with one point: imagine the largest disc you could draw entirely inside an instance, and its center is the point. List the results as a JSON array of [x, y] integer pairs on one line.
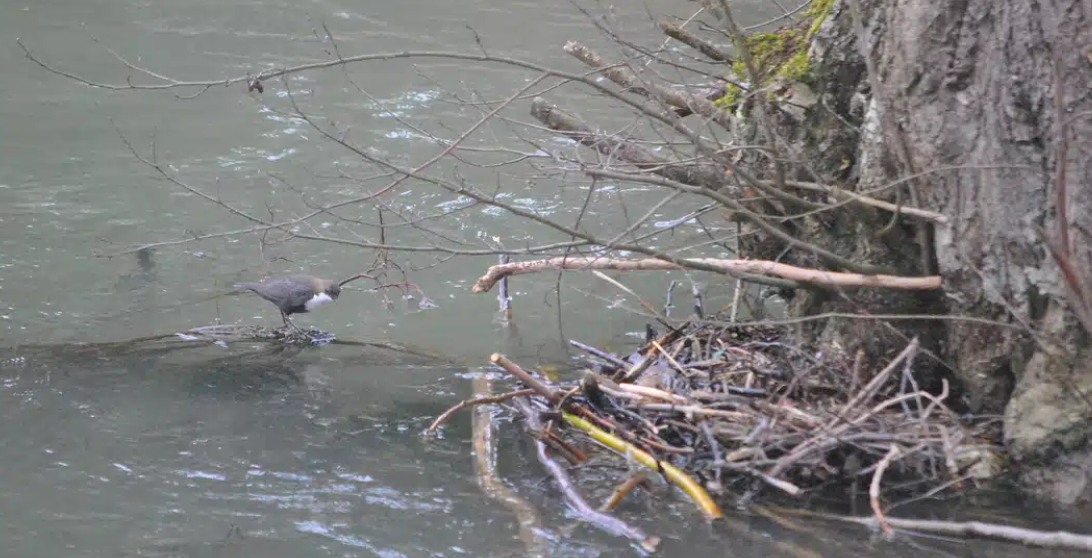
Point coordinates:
[[735, 401], [727, 412]]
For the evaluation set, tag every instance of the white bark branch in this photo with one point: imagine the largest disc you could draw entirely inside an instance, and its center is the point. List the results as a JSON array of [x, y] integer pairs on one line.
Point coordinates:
[[757, 267]]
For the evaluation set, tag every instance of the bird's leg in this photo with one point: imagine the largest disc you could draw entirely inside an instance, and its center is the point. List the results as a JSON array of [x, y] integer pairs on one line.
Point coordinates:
[[288, 323]]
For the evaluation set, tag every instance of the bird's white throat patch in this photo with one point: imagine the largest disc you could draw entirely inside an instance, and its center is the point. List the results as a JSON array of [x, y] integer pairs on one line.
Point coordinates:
[[320, 299]]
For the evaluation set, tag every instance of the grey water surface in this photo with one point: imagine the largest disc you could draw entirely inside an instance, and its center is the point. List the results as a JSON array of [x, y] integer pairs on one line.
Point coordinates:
[[239, 450]]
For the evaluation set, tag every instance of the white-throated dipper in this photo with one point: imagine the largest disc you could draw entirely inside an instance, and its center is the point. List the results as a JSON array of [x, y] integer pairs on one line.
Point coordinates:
[[297, 294]]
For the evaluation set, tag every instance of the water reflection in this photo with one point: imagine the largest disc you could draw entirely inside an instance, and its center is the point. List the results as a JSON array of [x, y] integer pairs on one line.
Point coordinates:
[[312, 452], [123, 453]]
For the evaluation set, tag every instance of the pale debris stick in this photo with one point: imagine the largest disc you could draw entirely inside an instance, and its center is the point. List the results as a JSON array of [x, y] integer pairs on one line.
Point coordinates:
[[604, 521], [503, 297], [728, 266], [874, 488]]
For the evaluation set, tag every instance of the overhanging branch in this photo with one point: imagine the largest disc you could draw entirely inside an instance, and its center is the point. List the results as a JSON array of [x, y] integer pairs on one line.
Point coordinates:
[[757, 267]]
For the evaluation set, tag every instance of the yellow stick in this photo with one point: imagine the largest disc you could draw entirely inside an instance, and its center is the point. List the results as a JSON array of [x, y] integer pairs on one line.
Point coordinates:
[[695, 491]]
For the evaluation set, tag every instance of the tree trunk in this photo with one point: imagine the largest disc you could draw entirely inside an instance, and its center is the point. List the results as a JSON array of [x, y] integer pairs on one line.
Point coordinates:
[[973, 83]]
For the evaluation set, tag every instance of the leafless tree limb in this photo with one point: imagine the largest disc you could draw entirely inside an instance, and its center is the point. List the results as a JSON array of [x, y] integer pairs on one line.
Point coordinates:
[[757, 267]]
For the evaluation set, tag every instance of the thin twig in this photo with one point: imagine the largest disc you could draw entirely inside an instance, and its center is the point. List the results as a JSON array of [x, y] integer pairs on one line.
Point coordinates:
[[480, 400]]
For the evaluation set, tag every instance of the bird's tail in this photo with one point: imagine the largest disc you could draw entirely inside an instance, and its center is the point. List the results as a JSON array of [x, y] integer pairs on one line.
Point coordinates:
[[248, 286]]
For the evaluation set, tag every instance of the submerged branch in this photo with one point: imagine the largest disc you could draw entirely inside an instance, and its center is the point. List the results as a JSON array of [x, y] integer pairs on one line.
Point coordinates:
[[485, 450], [555, 398], [596, 517], [674, 474], [1030, 537], [472, 402]]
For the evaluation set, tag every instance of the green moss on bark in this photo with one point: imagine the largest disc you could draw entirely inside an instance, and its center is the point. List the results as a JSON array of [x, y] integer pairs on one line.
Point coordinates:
[[782, 54]]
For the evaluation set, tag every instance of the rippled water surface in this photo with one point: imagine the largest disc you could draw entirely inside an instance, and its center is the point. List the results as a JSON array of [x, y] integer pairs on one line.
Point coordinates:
[[245, 450]]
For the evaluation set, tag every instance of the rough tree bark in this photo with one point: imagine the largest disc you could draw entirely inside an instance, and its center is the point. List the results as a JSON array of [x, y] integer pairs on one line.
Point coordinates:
[[973, 83]]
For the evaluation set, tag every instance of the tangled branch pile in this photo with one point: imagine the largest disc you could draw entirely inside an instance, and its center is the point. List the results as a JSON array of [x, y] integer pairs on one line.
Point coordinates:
[[737, 400], [732, 410]]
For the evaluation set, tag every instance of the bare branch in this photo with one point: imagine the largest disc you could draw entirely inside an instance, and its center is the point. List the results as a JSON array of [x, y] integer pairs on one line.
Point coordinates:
[[758, 220], [758, 267], [623, 76], [695, 42], [575, 129]]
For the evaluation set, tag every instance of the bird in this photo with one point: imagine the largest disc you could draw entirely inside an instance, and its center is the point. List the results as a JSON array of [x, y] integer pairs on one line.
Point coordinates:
[[296, 294]]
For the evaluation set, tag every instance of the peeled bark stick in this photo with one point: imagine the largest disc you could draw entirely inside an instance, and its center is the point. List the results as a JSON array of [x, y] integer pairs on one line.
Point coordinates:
[[623, 490], [640, 392], [674, 474], [653, 393], [874, 487], [599, 353], [695, 42], [502, 295], [710, 176], [625, 77], [694, 410], [758, 267], [620, 492]]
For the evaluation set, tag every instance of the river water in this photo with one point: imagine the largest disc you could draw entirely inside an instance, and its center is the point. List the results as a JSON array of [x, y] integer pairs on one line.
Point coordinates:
[[238, 451]]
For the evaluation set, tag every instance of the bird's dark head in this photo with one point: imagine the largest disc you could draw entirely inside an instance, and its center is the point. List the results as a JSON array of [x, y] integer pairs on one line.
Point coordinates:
[[333, 289], [325, 286]]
